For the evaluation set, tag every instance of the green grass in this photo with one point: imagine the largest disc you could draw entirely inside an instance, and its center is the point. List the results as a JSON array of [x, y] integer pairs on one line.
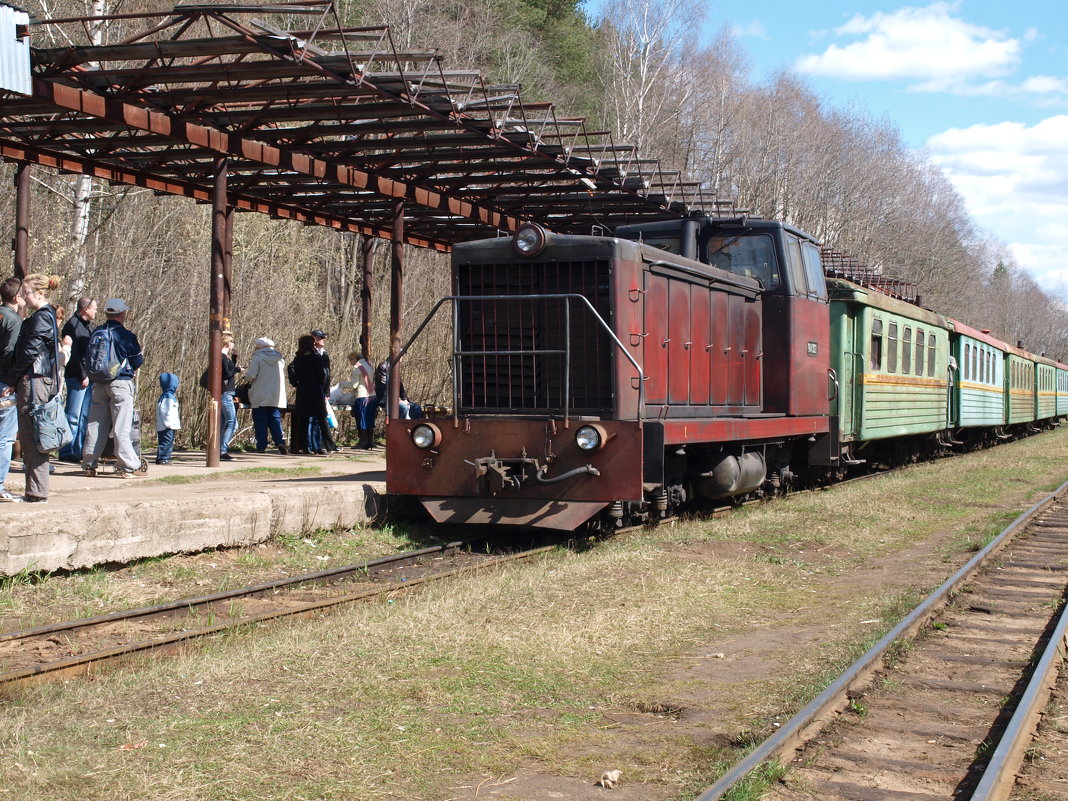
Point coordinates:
[[521, 673]]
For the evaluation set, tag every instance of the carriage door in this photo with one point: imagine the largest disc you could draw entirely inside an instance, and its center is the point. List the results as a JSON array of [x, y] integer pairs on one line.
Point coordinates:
[[679, 343], [656, 339]]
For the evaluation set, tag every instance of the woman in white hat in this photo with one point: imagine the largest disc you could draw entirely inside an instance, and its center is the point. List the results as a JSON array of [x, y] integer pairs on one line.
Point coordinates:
[[267, 395]]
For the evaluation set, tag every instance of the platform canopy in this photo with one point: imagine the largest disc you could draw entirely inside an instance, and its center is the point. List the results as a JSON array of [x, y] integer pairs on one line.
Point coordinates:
[[329, 125]]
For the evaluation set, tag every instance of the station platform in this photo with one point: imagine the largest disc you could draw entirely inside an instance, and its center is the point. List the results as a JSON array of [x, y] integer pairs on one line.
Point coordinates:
[[185, 507]]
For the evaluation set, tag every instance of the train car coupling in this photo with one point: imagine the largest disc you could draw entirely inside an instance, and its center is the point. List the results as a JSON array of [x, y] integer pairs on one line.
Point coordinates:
[[497, 474]]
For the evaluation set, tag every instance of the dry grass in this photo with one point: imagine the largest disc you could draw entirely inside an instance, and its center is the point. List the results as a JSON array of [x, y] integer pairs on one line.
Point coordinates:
[[525, 670], [31, 599]]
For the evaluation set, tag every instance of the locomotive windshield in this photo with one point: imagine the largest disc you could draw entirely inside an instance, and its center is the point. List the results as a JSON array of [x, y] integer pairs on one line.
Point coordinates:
[[672, 244], [752, 256]]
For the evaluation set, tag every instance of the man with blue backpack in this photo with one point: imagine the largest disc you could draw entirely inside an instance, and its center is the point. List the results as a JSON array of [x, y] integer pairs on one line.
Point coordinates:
[[111, 359]]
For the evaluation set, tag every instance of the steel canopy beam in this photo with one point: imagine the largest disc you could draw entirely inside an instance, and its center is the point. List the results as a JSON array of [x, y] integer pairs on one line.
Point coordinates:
[[230, 144], [202, 194]]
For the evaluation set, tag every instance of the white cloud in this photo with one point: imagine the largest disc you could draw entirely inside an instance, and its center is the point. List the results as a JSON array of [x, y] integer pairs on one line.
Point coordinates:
[[754, 29], [926, 44], [1014, 179]]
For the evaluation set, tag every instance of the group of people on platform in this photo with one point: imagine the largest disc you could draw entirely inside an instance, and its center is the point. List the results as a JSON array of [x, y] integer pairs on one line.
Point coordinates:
[[35, 354], [39, 360]]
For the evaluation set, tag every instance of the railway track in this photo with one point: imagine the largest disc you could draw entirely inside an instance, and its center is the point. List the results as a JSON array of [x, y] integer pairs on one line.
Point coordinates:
[[77, 647], [945, 705]]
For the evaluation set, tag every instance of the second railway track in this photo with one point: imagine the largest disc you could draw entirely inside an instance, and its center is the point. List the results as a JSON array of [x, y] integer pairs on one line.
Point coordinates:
[[81, 646], [932, 724]]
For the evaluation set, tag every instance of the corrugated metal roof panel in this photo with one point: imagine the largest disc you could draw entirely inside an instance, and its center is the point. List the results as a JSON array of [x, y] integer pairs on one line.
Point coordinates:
[[14, 51]]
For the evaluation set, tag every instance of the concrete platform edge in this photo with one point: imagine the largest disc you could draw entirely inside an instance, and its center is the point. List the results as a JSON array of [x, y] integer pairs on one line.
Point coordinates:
[[46, 538]]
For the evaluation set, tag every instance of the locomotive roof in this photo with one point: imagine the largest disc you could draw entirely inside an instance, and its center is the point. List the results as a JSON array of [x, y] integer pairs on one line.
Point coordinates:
[[843, 290], [759, 224], [581, 247], [755, 224]]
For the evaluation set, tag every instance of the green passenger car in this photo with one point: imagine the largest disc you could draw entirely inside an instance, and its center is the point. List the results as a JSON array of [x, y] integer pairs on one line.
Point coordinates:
[[1020, 375], [1062, 390], [1045, 388], [891, 363]]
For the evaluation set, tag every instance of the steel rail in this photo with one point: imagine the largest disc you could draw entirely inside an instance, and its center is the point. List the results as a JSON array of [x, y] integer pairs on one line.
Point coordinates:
[[253, 589], [81, 663], [796, 730], [999, 777]]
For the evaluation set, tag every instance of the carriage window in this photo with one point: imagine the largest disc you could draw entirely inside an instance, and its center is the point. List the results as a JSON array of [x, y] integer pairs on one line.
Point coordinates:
[[931, 354], [919, 351], [906, 351], [797, 265], [891, 349], [975, 354], [751, 256], [876, 355], [967, 360], [814, 268]]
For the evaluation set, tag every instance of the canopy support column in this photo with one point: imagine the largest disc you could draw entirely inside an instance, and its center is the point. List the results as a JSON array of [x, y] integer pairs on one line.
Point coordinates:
[[367, 249], [228, 262], [21, 244], [396, 307], [219, 247]]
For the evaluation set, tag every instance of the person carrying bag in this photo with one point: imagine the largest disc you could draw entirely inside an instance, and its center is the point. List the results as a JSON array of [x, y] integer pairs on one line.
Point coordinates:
[[35, 375], [51, 430]]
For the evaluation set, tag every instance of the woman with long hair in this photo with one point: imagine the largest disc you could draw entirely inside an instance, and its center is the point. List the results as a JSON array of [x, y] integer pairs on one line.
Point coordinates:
[[309, 372], [35, 374]]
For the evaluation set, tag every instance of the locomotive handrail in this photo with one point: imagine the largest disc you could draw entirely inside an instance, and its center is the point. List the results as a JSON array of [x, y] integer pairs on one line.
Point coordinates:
[[457, 353]]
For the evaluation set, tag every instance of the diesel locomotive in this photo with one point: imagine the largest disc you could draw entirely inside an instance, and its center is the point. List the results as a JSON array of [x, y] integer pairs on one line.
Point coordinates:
[[614, 378]]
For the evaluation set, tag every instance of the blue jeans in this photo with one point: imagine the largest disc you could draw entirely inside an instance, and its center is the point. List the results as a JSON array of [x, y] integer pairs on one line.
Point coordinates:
[[79, 399], [228, 423], [166, 445], [9, 429], [315, 436], [365, 410], [264, 418]]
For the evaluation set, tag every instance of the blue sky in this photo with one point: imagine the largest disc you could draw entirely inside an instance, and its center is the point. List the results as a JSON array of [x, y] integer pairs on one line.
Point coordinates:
[[981, 85]]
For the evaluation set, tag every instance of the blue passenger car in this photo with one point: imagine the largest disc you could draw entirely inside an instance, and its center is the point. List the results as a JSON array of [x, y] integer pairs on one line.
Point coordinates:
[[979, 388]]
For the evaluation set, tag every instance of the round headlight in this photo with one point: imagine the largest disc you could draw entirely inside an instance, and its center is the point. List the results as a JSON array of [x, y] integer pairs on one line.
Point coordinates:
[[529, 240], [425, 436], [588, 438]]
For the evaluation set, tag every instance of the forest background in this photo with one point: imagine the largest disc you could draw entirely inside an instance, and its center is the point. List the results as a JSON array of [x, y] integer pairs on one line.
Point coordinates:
[[776, 147]]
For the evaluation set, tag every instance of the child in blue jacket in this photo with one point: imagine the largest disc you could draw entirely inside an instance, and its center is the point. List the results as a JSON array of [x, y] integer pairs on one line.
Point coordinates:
[[167, 421]]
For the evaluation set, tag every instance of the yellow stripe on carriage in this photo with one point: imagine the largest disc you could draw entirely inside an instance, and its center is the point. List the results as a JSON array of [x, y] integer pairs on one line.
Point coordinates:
[[902, 381], [981, 387]]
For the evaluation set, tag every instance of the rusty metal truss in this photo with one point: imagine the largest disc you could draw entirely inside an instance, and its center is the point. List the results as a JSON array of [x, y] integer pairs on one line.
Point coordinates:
[[329, 125], [840, 265]]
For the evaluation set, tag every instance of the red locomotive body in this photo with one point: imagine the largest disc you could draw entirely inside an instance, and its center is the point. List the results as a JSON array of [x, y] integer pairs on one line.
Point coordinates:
[[620, 375]]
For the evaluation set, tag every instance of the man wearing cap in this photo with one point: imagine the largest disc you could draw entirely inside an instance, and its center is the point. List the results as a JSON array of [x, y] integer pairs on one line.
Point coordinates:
[[113, 401], [315, 438], [267, 394]]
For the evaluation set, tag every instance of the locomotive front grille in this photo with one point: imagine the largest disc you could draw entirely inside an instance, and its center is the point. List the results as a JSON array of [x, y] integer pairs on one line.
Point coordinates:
[[519, 351]]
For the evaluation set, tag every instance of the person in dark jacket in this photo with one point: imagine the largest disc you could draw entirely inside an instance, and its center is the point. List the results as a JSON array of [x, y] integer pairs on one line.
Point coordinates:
[[11, 305], [113, 401], [35, 375], [310, 374], [79, 391]]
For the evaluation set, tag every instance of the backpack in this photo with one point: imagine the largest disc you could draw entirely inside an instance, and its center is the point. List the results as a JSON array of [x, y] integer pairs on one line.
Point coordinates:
[[102, 360]]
